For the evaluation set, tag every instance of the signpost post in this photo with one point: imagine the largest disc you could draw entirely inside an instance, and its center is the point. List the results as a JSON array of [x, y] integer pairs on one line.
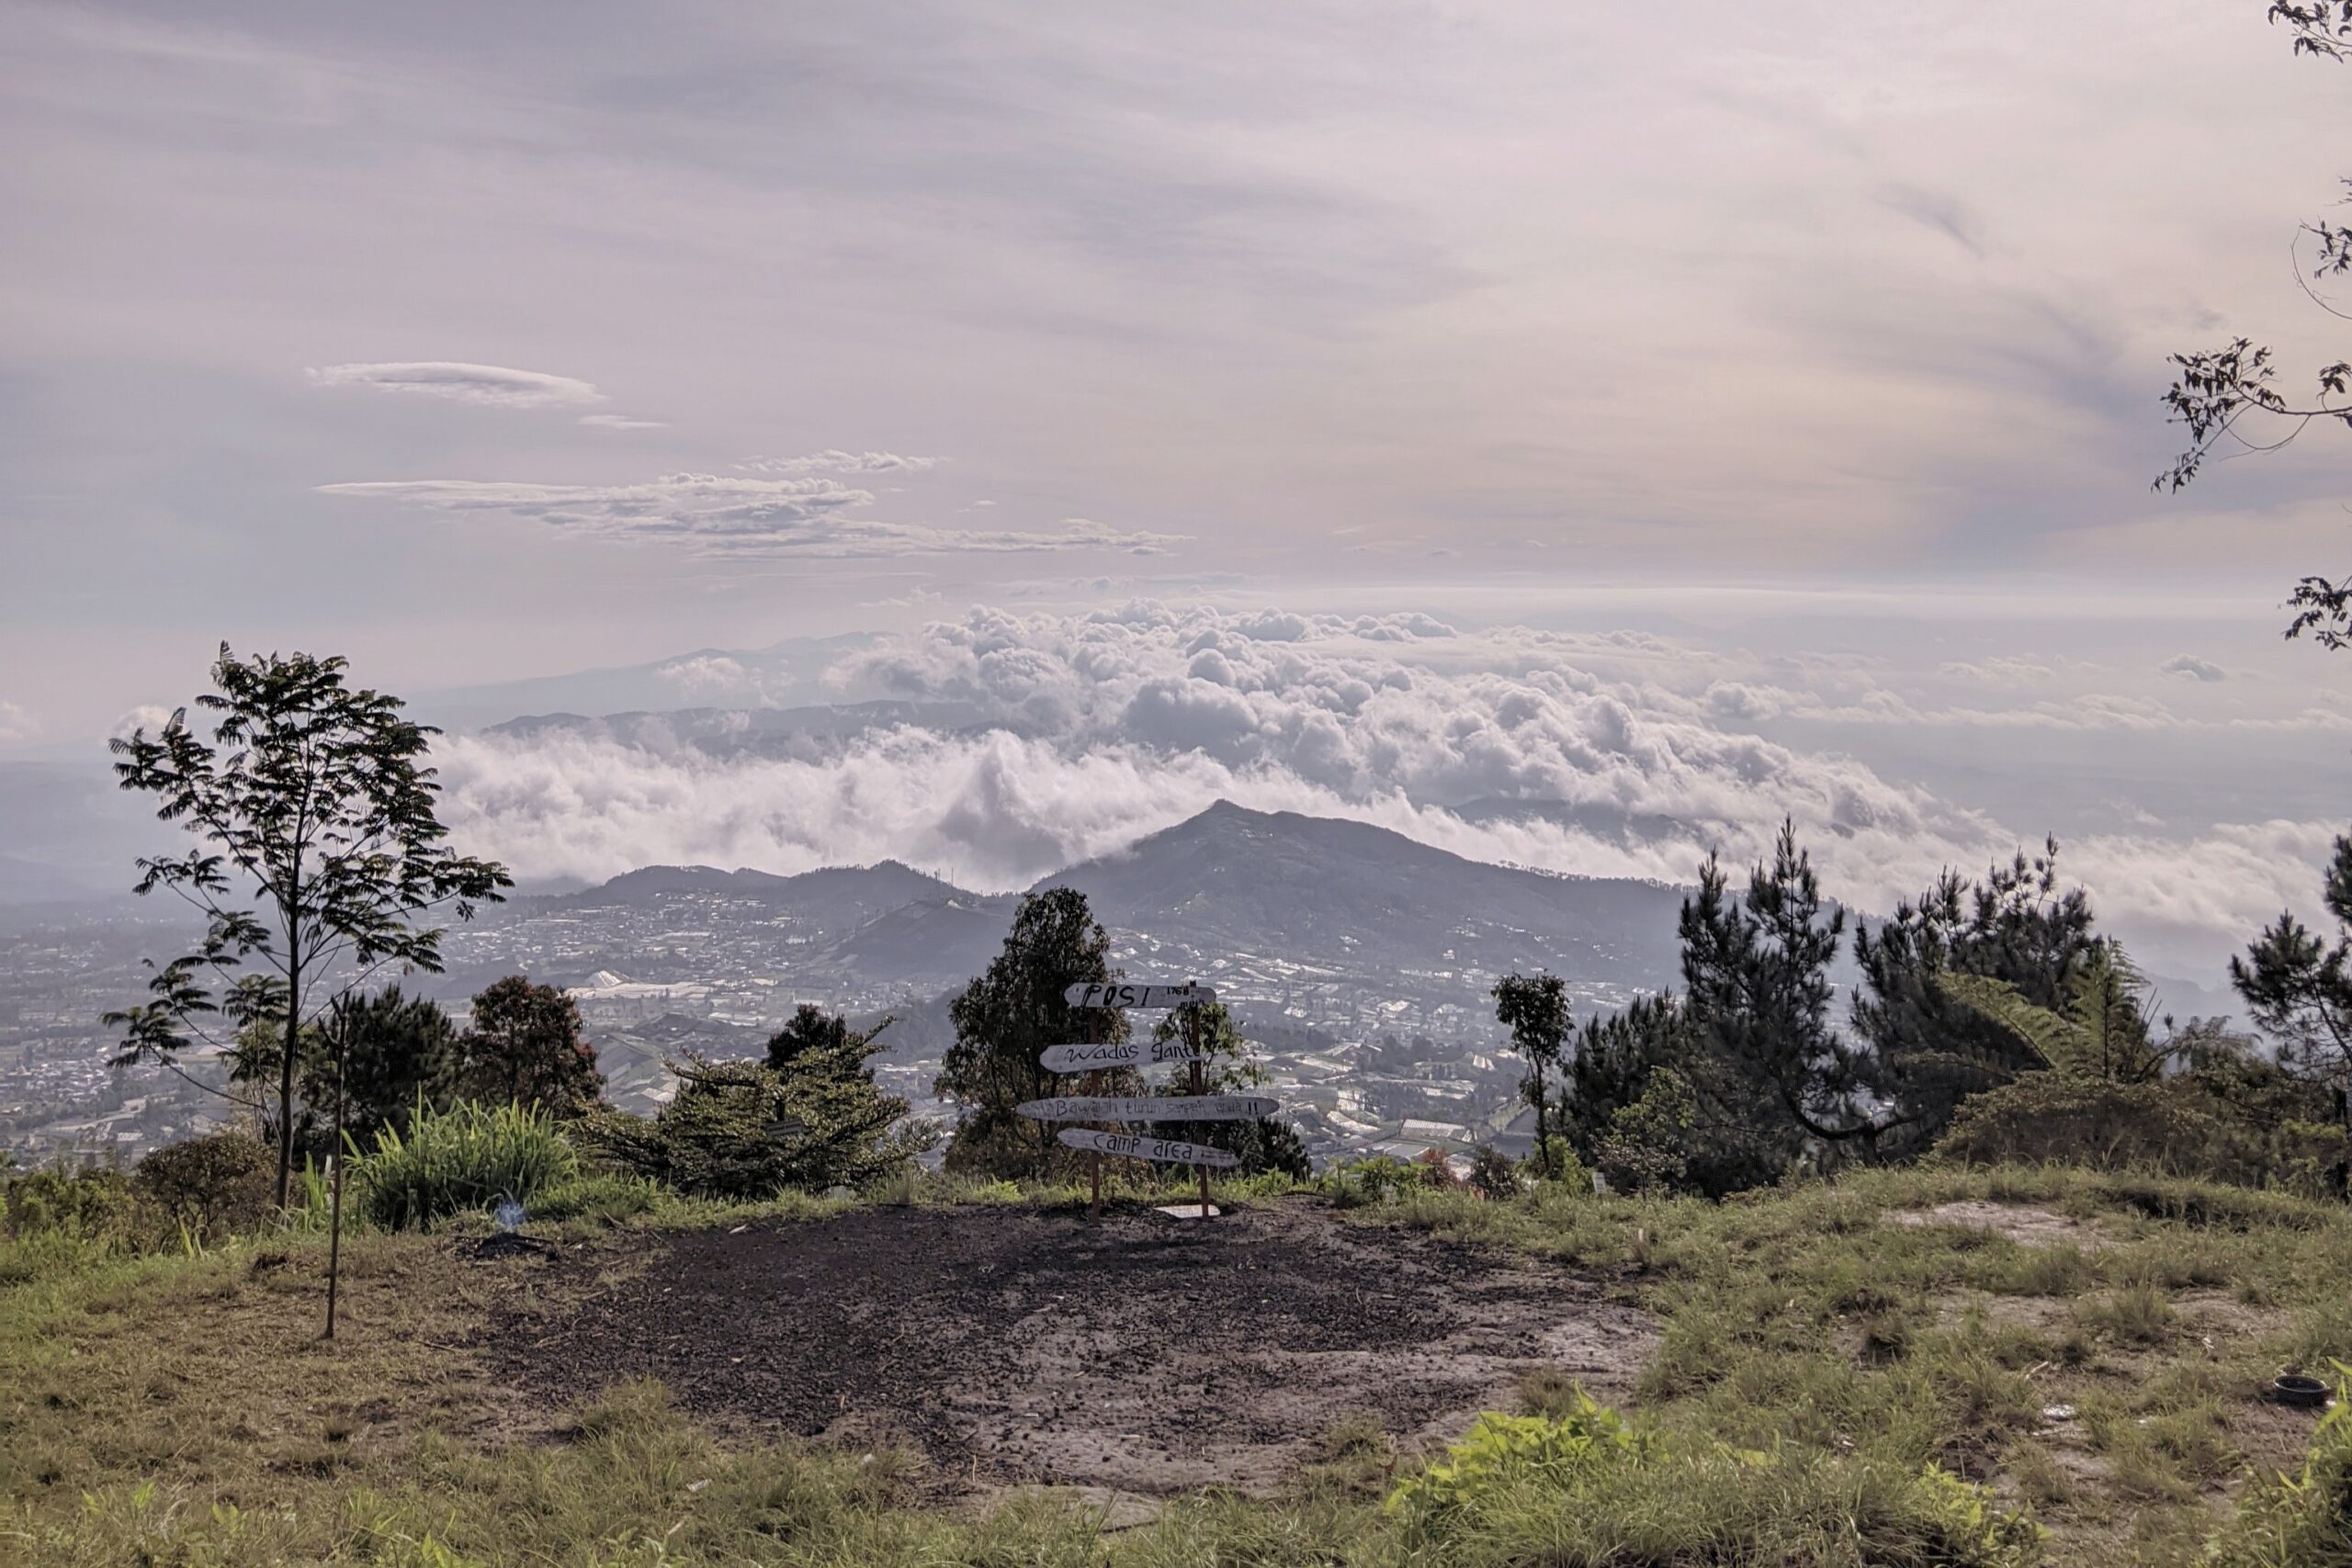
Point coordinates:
[[1094, 1055]]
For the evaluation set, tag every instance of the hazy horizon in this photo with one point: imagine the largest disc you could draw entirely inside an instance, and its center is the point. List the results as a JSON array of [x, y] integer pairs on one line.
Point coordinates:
[[1756, 413]]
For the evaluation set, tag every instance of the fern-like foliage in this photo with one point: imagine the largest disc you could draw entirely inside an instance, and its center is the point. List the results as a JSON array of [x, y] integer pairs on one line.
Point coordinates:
[[2106, 1030]]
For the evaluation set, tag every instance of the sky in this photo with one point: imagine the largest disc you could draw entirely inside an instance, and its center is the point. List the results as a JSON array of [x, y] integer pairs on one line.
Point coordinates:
[[1781, 374]]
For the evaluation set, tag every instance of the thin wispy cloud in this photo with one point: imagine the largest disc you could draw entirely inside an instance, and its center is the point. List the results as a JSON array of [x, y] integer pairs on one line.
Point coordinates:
[[621, 422], [733, 515], [486, 386], [839, 462]]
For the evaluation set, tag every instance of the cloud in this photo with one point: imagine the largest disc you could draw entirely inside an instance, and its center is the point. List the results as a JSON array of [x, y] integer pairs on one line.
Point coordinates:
[[620, 422], [1939, 210], [731, 515], [703, 672], [838, 462], [16, 723], [1510, 745], [149, 717], [488, 386], [2195, 668]]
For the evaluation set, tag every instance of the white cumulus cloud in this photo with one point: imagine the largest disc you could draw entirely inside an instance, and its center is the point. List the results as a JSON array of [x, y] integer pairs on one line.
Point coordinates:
[[1514, 746]]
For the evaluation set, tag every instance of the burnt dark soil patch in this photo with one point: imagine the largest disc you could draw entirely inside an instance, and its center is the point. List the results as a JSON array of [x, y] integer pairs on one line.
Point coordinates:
[[1142, 1353]]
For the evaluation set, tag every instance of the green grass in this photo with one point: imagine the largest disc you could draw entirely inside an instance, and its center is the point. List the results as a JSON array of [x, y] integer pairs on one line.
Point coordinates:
[[1801, 1316], [1816, 1360]]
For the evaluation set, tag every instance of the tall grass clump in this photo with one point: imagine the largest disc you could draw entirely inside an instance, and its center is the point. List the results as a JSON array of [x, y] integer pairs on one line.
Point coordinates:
[[467, 1157]]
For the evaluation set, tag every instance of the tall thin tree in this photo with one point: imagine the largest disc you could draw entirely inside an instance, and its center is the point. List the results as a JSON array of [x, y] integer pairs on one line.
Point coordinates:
[[319, 848]]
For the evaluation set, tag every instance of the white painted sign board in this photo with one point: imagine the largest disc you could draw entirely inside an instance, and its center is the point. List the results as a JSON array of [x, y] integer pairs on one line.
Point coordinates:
[[1124, 994], [1125, 1053], [1167, 1151], [1149, 1107]]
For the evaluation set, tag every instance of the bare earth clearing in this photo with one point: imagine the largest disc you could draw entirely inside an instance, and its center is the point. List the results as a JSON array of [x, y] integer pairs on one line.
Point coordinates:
[[1143, 1354]]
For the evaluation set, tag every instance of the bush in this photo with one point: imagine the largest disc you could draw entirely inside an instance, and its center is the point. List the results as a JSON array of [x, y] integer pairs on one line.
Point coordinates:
[[1587, 1486], [1375, 1178], [1649, 1143], [744, 1130], [219, 1185], [1493, 1174], [2202, 1123], [466, 1157], [2303, 1520], [92, 1203], [1502, 1451]]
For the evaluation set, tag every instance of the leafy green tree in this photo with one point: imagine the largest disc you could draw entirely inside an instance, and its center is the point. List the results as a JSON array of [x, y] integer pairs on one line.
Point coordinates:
[[2227, 398], [1651, 1143], [523, 1047], [1263, 1144], [1734, 1138], [1009, 1015], [319, 849], [1535, 1008], [2299, 988]]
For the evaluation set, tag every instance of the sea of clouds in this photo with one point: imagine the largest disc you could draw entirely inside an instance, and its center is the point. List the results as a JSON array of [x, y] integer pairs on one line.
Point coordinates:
[[1611, 754]]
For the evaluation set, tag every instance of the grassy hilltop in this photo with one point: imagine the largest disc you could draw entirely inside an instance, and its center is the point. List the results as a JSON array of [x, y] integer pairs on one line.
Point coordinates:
[[1931, 1366]]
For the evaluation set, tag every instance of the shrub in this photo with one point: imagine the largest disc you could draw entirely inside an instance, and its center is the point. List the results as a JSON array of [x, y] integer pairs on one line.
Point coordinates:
[[2303, 1520], [92, 1203], [210, 1187], [746, 1129], [468, 1157], [1649, 1144], [1493, 1174], [1555, 1161], [1586, 1486], [1555, 1452], [1375, 1178], [2206, 1123]]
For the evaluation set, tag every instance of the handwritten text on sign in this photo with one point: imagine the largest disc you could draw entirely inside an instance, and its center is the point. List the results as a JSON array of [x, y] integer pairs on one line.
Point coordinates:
[[1125, 1053], [1149, 1107], [1123, 995], [1167, 1150]]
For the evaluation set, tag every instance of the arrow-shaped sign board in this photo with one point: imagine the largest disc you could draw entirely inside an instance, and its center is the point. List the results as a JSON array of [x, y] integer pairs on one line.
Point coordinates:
[[1167, 1150], [1125, 1054], [1149, 1107], [1121, 994]]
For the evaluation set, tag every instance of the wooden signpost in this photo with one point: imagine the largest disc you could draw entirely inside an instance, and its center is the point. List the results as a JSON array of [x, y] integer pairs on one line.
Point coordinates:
[[1120, 994], [1149, 1108], [1167, 1151], [1122, 1054], [1190, 995]]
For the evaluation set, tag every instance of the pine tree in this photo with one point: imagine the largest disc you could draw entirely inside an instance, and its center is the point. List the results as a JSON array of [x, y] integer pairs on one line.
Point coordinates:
[[1006, 1017]]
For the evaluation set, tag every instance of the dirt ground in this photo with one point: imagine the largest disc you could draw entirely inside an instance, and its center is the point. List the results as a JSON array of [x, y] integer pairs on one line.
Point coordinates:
[[2020, 1222], [1144, 1354]]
